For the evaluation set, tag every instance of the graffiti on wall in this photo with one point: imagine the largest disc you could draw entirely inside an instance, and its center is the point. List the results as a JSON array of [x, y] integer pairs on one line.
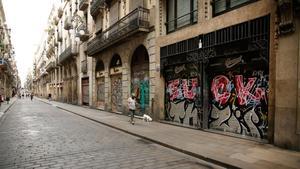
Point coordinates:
[[116, 93], [140, 87], [239, 103], [100, 92], [183, 95], [100, 89]]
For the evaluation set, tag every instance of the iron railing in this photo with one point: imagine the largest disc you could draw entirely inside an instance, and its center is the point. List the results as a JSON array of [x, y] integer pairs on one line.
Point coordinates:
[[68, 23], [50, 65], [67, 53], [60, 12], [83, 4], [5, 64], [135, 21], [59, 36], [83, 36], [181, 21], [95, 6]]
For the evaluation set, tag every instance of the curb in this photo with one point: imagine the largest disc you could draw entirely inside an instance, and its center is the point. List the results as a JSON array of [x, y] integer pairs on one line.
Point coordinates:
[[207, 159]]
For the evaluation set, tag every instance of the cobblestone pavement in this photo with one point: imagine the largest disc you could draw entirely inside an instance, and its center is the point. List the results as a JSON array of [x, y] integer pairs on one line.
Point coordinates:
[[37, 135]]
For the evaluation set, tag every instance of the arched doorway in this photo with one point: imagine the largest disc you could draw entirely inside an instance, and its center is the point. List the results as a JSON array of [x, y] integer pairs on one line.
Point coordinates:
[[140, 78], [116, 83], [100, 85]]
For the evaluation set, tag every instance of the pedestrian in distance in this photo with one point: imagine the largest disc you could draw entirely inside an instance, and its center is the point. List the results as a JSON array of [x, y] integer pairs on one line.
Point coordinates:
[[49, 97], [132, 106], [31, 96], [7, 99]]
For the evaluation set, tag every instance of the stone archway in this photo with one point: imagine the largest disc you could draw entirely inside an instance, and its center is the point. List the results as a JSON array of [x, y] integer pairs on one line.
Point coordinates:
[[100, 85], [140, 78], [116, 83]]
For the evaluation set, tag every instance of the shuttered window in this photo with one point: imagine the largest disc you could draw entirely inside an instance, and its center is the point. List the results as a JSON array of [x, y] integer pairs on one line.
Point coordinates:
[[181, 13], [222, 6]]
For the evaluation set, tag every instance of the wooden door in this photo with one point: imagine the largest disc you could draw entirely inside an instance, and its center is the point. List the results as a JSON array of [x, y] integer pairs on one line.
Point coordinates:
[[100, 93]]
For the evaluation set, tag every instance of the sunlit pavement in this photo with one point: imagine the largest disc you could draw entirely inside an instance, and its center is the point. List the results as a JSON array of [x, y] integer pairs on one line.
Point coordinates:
[[38, 135]]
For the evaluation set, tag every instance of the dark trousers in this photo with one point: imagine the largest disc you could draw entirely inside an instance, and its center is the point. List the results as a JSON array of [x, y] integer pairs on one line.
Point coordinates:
[[132, 114]]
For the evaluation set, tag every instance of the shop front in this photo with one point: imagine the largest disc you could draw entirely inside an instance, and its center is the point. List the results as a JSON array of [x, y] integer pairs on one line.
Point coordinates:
[[220, 80]]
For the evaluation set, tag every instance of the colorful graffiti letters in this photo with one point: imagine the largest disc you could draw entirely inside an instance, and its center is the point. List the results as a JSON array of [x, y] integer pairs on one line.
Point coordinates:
[[220, 89], [180, 89], [239, 104], [244, 94]]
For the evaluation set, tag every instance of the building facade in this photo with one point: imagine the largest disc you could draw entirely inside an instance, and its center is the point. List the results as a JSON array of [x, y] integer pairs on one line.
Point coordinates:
[[221, 66], [9, 79]]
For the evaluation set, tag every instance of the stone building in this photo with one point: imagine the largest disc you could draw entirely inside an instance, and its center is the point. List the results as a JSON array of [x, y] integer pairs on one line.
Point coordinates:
[[39, 75], [221, 66], [123, 54], [9, 79]]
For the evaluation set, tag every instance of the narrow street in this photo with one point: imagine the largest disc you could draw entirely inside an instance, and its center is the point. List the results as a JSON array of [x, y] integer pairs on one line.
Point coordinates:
[[37, 135]]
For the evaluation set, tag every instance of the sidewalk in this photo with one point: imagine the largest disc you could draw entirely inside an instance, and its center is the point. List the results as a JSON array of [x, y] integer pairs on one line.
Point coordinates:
[[226, 151], [4, 106]]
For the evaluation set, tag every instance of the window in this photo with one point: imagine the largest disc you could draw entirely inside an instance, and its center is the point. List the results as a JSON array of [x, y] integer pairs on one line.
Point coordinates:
[[181, 13], [222, 6]]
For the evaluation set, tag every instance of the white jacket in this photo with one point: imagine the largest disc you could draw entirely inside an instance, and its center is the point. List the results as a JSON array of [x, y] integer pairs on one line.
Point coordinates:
[[131, 103]]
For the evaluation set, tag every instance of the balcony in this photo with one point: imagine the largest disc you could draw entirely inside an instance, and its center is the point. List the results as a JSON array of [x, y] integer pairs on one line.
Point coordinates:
[[135, 22], [95, 6], [50, 51], [59, 37], [83, 4], [3, 64], [67, 54], [55, 21], [50, 66], [84, 66], [60, 12], [68, 23], [83, 33]]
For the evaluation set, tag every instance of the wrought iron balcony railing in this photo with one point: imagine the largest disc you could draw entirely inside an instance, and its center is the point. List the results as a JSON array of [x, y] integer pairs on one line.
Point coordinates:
[[136, 21], [82, 32], [50, 66], [67, 54], [60, 12], [59, 36], [84, 66], [95, 6], [4, 64], [68, 23], [83, 4]]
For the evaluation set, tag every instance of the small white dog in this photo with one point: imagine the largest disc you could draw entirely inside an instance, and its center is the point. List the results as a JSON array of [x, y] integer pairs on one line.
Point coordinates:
[[147, 118]]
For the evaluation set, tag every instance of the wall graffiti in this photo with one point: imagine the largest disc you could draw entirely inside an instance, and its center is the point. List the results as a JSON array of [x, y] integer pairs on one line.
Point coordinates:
[[140, 87], [183, 94], [239, 103], [116, 93], [100, 92]]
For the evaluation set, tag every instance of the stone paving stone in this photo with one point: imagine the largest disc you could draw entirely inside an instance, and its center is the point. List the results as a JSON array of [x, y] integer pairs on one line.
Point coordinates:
[[38, 135]]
